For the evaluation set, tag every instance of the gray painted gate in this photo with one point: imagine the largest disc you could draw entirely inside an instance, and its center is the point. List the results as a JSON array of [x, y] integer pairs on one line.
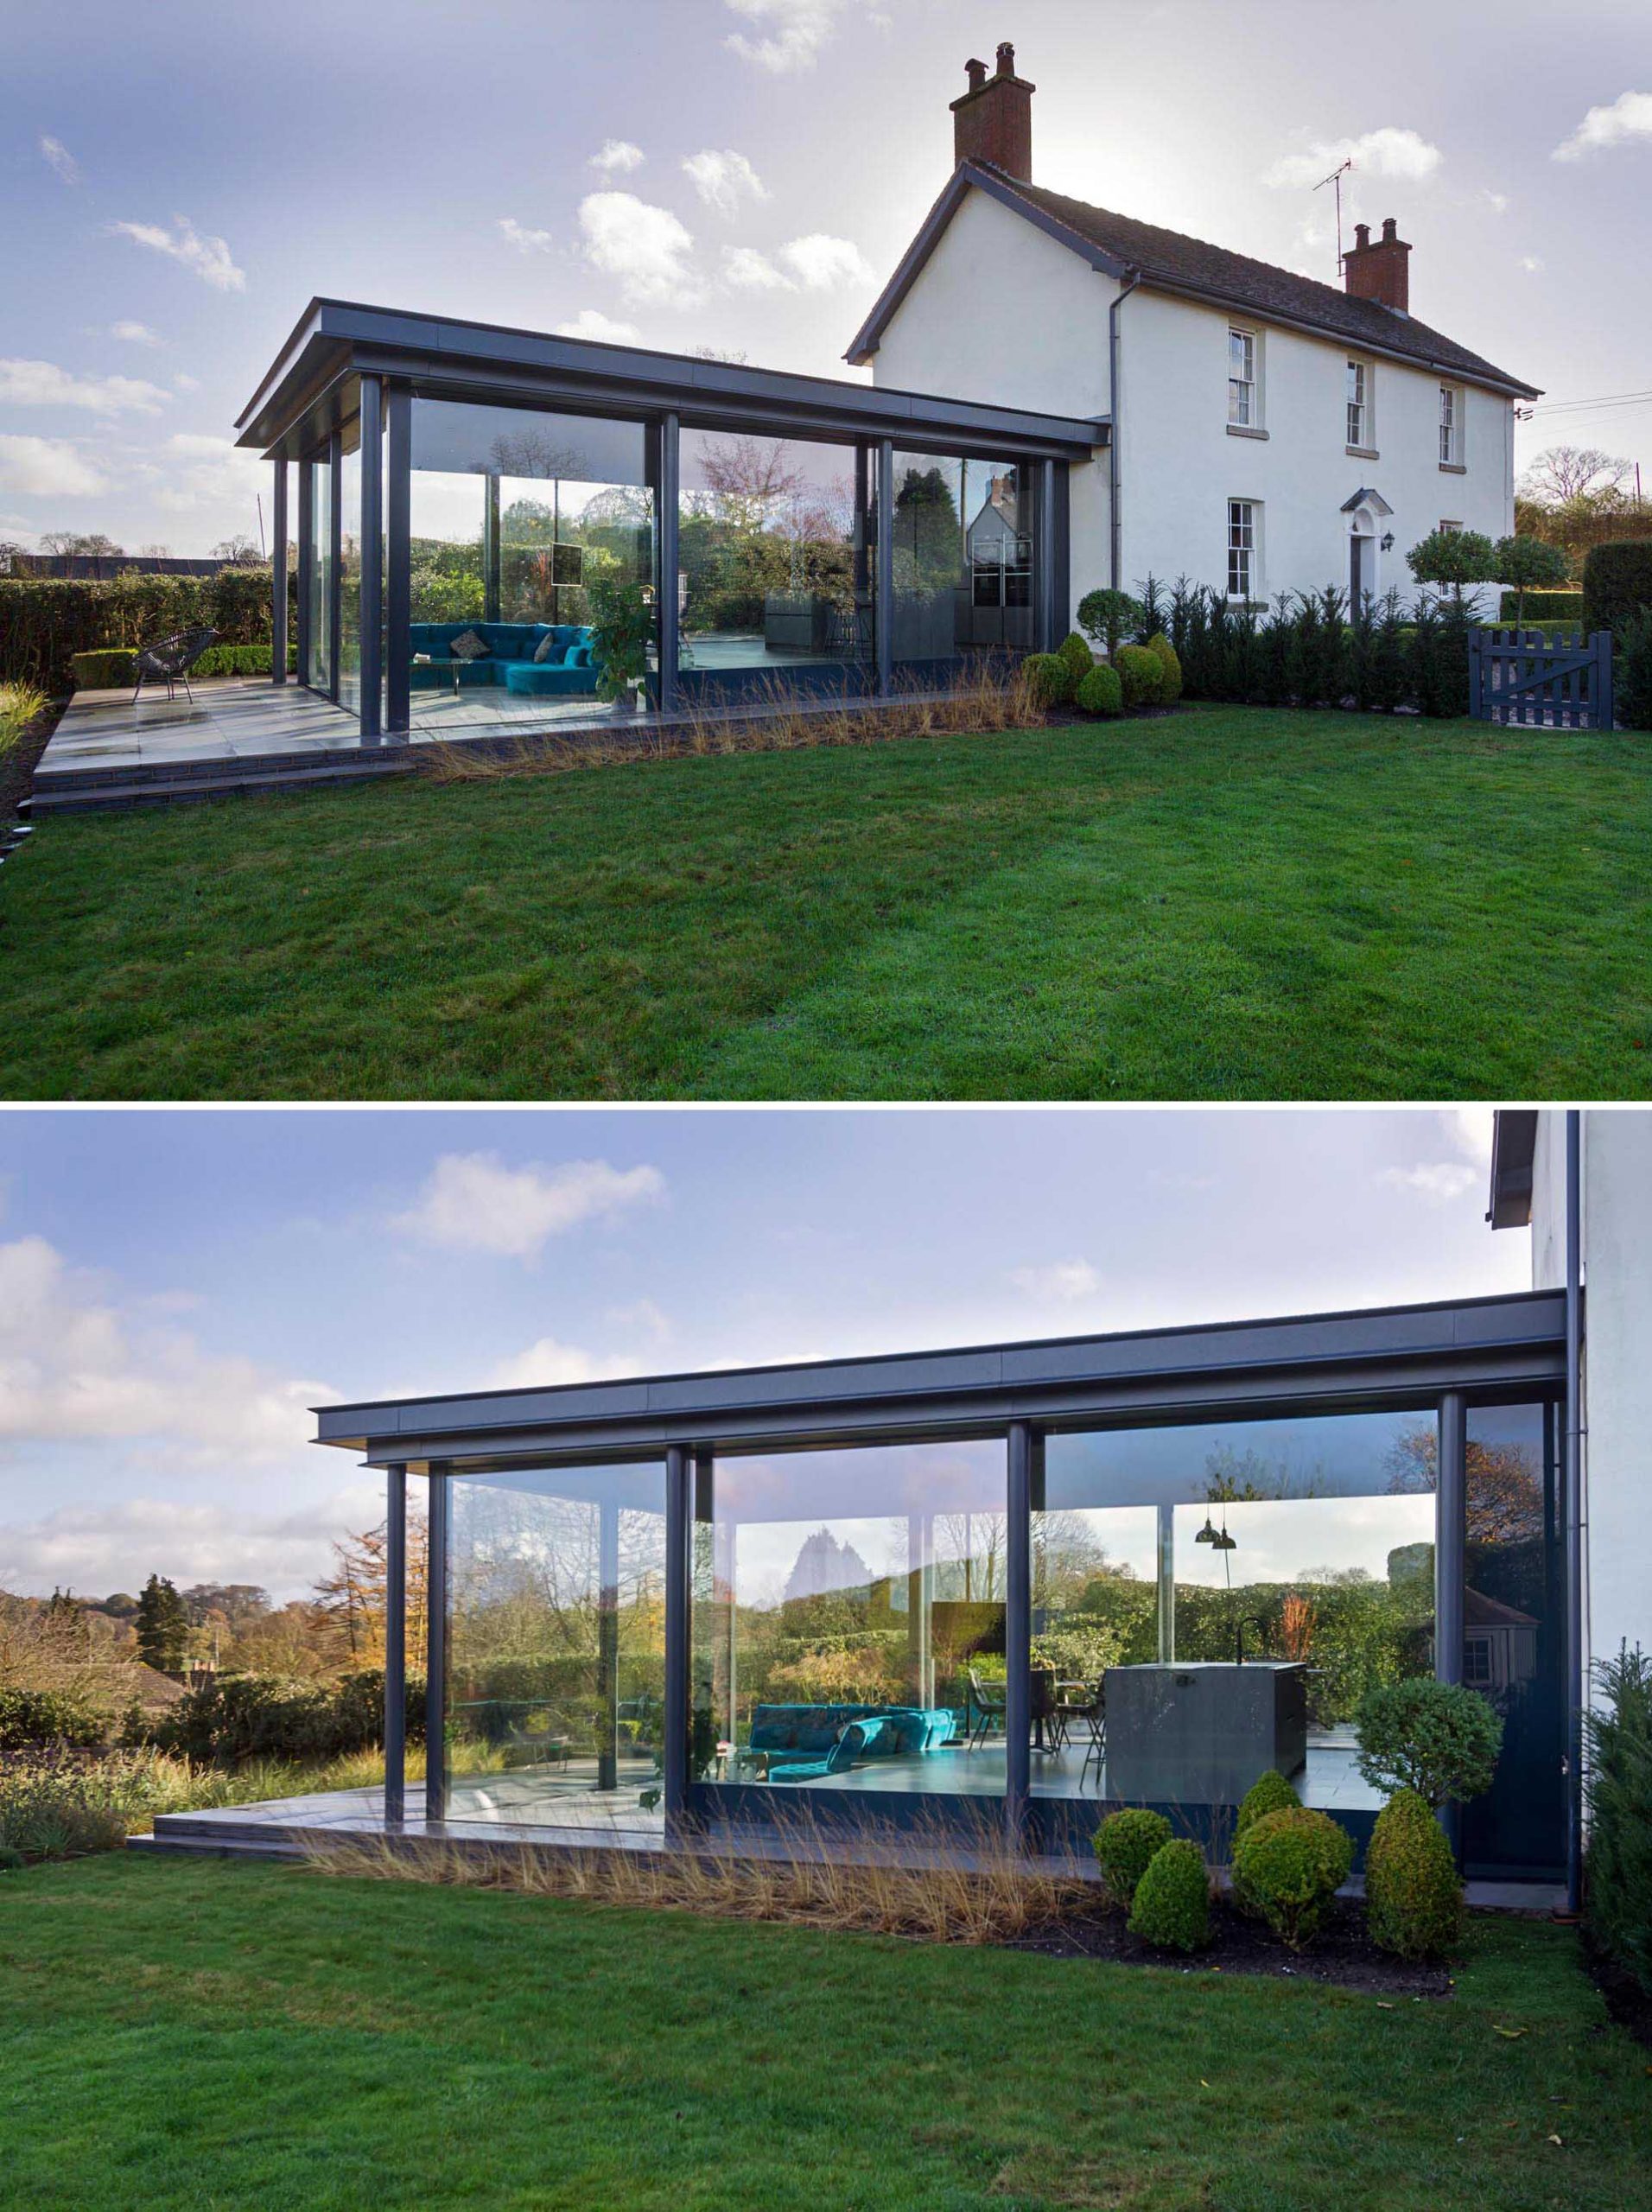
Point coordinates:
[[1557, 680]]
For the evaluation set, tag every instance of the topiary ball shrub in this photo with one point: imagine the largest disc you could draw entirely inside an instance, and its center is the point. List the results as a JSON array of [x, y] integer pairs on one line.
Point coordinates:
[[1287, 1868], [1142, 675], [1269, 1793], [1169, 688], [1414, 1900], [1106, 615], [1172, 1899], [1125, 1846], [1077, 656], [1435, 1738], [1049, 678], [1100, 692]]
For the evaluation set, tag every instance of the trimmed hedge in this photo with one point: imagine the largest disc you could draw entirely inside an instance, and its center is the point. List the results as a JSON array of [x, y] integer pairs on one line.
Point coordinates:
[[1544, 609], [1172, 1899], [1269, 1793], [1100, 693], [46, 619], [1288, 1866], [114, 666], [103, 671], [1616, 583], [1125, 1845], [1414, 1900], [1632, 693]]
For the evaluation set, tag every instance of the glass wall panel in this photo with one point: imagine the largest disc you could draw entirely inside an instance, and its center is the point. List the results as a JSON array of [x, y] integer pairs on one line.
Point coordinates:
[[1211, 1601], [1514, 1637], [848, 1619], [525, 527], [319, 674], [350, 567], [556, 1660], [963, 556], [774, 569]]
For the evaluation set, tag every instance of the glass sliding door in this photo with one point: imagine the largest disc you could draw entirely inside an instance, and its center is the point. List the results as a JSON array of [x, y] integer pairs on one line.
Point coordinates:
[[964, 541], [350, 527], [319, 672], [556, 1646]]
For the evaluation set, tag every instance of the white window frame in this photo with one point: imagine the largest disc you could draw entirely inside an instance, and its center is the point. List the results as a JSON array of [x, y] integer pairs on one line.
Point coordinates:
[[1451, 426], [1449, 528], [1357, 402], [1244, 386], [1244, 550]]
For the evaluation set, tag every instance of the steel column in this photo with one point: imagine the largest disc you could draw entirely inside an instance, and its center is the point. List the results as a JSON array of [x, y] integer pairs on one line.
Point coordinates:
[[278, 577], [492, 563], [335, 592], [1166, 1586], [883, 606], [395, 1644], [398, 518], [1018, 1632], [370, 639], [306, 565], [607, 1644], [1576, 1657], [678, 1590], [1044, 520], [667, 484], [435, 1665], [1451, 1537]]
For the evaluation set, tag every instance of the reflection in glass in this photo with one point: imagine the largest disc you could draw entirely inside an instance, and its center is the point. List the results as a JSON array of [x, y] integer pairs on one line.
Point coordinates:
[[848, 1619], [318, 673], [350, 566], [962, 558], [556, 1689]]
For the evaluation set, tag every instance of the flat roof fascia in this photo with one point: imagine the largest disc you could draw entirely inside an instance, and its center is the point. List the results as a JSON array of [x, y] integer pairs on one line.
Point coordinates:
[[1383, 1356], [1514, 1149], [335, 337]]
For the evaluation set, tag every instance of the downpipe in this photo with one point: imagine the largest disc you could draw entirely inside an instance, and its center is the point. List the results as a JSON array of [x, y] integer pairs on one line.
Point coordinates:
[[1574, 1521], [1115, 533]]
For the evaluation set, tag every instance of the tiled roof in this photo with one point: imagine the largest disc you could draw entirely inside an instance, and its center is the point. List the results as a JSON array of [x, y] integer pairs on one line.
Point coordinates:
[[1235, 280]]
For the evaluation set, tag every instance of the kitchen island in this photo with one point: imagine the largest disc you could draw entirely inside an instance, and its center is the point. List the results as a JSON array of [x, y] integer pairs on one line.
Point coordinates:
[[1200, 1733]]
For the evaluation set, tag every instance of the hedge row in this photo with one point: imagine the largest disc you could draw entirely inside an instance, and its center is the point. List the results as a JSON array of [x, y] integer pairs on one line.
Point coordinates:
[[236, 1717], [44, 620], [1617, 584], [1541, 610], [114, 665]]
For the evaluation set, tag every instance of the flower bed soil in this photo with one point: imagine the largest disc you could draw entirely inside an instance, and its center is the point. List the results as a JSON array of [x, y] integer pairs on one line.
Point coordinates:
[[17, 765], [1627, 2002]]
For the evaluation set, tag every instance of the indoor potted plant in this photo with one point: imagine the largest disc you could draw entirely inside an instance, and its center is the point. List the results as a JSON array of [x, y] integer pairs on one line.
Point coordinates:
[[620, 622]]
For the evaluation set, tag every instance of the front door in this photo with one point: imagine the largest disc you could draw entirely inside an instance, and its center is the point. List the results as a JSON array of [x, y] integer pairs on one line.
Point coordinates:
[[1358, 572]]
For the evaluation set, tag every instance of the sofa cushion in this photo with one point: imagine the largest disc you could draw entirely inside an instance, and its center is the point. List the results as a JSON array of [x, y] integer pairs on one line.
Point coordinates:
[[468, 646], [549, 650]]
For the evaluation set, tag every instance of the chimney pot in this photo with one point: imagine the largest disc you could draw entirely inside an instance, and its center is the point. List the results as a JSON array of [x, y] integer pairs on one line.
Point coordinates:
[[992, 121], [1390, 230], [1379, 270], [1362, 236]]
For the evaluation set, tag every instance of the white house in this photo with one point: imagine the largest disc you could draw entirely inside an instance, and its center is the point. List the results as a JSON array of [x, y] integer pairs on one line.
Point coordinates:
[[1264, 433]]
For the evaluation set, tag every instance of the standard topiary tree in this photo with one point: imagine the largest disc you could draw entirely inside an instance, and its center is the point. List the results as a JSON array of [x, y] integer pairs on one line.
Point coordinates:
[[1530, 565], [1455, 559], [1106, 615], [1616, 583], [1049, 678], [1172, 1899], [1100, 692], [1169, 688], [1269, 1793], [1414, 1900], [1287, 1868], [1435, 1738], [1124, 1845], [1077, 656], [1141, 673]]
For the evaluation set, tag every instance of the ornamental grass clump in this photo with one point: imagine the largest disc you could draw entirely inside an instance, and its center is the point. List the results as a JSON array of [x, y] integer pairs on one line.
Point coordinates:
[[1125, 1846], [1435, 1738], [1100, 692], [1414, 1900], [1141, 673], [1172, 1899], [1288, 1866], [1269, 1793]]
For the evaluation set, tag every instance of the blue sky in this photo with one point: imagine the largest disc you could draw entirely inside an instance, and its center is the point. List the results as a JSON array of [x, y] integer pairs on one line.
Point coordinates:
[[181, 178], [178, 1287]]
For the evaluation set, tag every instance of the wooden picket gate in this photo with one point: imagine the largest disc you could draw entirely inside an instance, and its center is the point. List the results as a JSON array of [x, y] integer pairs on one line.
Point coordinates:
[[1561, 680]]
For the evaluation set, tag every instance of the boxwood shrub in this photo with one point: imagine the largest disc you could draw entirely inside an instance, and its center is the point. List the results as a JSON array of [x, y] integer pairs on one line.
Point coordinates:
[[1125, 1846], [1078, 655], [103, 670], [1100, 692], [1269, 1793], [1414, 1900], [1287, 1868], [1439, 1738], [1170, 687], [1142, 674], [1173, 1899], [1049, 677], [1544, 609], [1616, 583]]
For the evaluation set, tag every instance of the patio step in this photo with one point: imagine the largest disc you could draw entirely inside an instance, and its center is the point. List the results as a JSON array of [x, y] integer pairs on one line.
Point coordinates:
[[221, 1846], [183, 783]]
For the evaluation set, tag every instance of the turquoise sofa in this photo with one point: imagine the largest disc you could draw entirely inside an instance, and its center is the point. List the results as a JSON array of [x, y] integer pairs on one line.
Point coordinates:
[[804, 1742], [570, 671]]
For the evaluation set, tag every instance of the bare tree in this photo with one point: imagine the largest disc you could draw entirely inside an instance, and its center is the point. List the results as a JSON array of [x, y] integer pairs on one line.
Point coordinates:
[[94, 545], [1566, 474]]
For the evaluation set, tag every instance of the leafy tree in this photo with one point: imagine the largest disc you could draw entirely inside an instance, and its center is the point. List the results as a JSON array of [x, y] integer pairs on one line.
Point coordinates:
[[162, 1626], [1106, 615], [1454, 558], [1530, 565]]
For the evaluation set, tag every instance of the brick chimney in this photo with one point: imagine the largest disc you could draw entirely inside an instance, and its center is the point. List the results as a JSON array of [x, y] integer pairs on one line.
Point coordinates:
[[992, 121], [1379, 272]]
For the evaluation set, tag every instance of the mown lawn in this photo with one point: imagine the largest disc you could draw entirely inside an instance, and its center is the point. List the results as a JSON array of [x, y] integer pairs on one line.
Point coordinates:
[[1227, 903], [212, 2035]]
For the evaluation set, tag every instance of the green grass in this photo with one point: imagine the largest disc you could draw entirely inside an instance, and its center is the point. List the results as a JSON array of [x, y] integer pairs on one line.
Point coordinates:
[[209, 2034], [1229, 903]]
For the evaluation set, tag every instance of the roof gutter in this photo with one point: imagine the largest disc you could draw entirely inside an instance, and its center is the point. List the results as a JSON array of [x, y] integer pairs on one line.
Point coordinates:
[[1114, 537]]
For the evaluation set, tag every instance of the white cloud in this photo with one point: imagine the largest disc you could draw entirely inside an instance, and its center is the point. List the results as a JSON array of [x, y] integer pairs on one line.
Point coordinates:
[[723, 180], [209, 258], [75, 1367], [1062, 1283], [524, 240], [1530, 263], [822, 263], [591, 322], [472, 1202], [46, 468], [1496, 201], [1628, 117], [617, 157], [196, 470], [182, 382], [60, 158], [95, 1549], [134, 334], [546, 1363], [794, 31], [42, 384], [1471, 1129], [645, 247], [642, 1316], [1388, 152], [1439, 1181], [748, 270]]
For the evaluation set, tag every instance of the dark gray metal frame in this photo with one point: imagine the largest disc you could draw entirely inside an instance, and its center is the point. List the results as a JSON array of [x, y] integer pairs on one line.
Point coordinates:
[[1440, 1358], [344, 357]]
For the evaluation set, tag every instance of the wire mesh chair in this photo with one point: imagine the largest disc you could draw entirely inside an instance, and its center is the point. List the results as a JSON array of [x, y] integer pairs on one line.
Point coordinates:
[[170, 660]]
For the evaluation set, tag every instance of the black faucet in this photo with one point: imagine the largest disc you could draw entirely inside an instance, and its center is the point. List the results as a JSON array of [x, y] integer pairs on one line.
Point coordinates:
[[1255, 1621]]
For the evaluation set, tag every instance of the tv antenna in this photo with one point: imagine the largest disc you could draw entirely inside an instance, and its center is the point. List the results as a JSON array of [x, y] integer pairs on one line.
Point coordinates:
[[1335, 178]]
